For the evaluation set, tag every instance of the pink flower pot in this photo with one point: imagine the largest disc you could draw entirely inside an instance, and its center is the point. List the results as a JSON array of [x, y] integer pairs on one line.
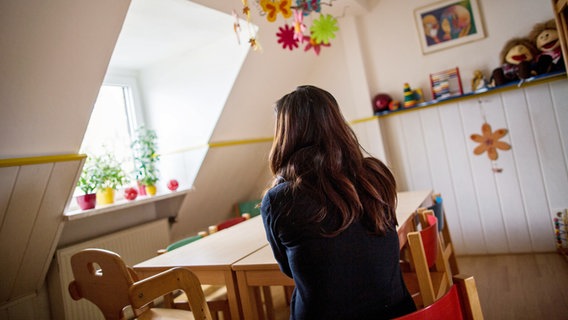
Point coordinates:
[[87, 201], [141, 189]]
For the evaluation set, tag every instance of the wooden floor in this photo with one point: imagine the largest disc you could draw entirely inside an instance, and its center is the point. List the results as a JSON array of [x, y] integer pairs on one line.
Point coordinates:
[[523, 286]]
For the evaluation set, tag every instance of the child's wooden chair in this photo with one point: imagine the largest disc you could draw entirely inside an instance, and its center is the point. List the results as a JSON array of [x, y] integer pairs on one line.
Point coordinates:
[[431, 277], [444, 229], [460, 302]]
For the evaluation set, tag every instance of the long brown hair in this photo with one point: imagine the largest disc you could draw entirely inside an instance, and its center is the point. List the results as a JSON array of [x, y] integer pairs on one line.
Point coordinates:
[[317, 152]]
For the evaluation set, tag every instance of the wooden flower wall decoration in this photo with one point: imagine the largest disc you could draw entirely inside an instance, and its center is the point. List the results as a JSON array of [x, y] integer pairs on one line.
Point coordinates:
[[489, 141], [293, 36]]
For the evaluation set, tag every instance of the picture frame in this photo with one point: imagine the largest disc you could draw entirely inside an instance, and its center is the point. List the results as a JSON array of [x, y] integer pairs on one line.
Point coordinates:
[[448, 23]]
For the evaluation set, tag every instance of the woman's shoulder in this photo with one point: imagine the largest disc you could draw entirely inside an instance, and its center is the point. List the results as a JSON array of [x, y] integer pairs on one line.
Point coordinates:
[[274, 198], [279, 190]]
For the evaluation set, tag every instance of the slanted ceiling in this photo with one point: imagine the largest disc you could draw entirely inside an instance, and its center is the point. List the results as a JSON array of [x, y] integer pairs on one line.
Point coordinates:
[[48, 92]]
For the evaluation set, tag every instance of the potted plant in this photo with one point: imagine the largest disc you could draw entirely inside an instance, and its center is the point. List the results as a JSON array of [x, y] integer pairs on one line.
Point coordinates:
[[87, 185], [145, 152], [108, 176]]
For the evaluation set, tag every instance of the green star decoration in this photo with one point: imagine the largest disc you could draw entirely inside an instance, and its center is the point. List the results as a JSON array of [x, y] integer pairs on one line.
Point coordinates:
[[324, 28]]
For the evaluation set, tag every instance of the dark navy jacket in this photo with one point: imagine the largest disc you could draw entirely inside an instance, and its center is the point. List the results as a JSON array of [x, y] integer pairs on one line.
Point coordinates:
[[354, 275]]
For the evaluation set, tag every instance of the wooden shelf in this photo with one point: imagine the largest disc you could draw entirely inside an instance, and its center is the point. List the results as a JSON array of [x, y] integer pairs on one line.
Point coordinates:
[[509, 86]]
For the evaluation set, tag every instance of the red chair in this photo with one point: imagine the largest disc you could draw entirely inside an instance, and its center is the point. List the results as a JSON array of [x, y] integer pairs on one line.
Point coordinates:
[[431, 277], [227, 224], [460, 302], [444, 229]]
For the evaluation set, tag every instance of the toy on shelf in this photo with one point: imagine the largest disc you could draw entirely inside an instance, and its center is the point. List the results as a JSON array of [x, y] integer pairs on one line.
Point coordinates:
[[446, 84], [517, 62], [394, 105], [381, 102], [411, 97], [478, 82], [546, 40]]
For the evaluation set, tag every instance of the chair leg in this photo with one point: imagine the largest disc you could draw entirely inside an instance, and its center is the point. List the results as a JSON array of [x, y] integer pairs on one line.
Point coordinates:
[[449, 252]]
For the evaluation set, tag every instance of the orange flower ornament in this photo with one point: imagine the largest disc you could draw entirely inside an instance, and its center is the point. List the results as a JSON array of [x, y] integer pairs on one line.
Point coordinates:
[[489, 141]]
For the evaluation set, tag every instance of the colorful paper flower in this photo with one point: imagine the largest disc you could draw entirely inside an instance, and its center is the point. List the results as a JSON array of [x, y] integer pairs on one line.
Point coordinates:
[[308, 6], [489, 141], [273, 7], [286, 37], [324, 29], [312, 44], [299, 26]]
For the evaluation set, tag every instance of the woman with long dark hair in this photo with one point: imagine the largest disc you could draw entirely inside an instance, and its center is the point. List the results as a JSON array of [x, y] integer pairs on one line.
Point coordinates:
[[330, 215]]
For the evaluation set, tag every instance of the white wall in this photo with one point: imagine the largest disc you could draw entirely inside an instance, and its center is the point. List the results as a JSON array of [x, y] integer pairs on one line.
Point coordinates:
[[489, 212], [392, 50]]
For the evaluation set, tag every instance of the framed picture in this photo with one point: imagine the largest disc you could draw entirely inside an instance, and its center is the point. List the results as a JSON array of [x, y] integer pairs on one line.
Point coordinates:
[[448, 23]]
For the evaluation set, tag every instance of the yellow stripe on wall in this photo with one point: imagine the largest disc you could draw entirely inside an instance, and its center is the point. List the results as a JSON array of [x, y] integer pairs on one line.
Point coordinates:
[[42, 159], [72, 157], [248, 141], [237, 142]]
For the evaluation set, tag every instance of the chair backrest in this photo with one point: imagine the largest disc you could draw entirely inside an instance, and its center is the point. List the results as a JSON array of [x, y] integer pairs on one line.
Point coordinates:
[[445, 236], [438, 208], [251, 207], [432, 270], [460, 302], [102, 277], [429, 238], [183, 242], [144, 292], [230, 222]]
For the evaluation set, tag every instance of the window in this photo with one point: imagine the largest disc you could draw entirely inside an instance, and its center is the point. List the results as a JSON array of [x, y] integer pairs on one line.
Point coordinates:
[[110, 124], [113, 122]]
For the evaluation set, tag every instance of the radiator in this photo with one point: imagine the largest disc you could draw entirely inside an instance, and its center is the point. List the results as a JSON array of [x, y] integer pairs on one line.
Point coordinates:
[[134, 245]]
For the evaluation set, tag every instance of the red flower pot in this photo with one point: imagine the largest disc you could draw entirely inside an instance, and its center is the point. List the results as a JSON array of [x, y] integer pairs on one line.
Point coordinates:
[[87, 201]]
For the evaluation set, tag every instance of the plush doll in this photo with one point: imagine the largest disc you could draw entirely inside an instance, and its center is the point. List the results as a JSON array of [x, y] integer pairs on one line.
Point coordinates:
[[517, 59], [545, 38]]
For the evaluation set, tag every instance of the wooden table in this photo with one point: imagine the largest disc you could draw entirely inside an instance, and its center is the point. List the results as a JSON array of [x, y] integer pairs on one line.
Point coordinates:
[[261, 269], [211, 258]]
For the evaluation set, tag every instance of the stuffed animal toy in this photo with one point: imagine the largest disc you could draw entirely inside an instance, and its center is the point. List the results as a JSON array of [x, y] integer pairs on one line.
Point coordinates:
[[545, 38], [517, 59]]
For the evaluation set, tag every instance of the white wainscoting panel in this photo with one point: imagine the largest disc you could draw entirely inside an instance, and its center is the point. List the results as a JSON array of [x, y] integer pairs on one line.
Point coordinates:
[[489, 212]]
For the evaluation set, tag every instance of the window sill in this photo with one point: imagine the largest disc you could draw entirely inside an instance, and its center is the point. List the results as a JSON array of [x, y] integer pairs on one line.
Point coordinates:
[[124, 204]]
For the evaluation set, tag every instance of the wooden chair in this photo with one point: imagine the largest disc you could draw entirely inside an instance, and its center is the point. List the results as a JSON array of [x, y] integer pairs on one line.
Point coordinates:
[[460, 302], [444, 229], [431, 277], [103, 278], [143, 293]]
